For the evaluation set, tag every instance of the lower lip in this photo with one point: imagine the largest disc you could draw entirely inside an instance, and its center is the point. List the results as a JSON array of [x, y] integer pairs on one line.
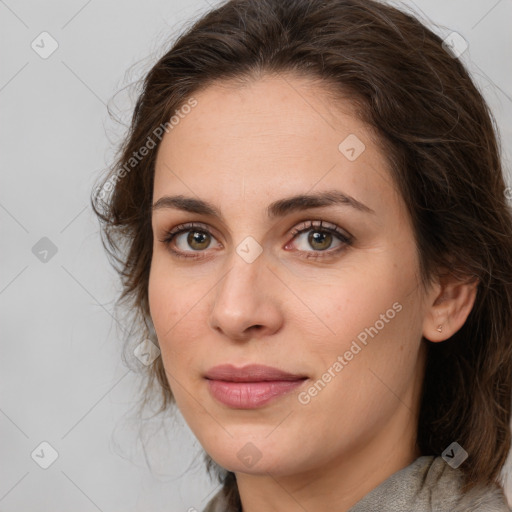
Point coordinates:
[[250, 395]]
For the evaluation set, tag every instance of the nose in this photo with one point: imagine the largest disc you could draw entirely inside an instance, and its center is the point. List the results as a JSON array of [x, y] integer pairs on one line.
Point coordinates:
[[246, 301]]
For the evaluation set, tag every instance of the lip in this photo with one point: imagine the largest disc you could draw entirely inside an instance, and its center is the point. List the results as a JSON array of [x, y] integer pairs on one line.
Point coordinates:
[[251, 386], [250, 373]]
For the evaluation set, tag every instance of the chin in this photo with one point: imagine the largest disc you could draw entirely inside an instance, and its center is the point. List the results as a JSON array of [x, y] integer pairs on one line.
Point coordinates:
[[256, 456], [251, 463]]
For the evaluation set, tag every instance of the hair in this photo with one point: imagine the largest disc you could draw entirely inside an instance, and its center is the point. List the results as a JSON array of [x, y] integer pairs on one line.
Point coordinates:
[[442, 145]]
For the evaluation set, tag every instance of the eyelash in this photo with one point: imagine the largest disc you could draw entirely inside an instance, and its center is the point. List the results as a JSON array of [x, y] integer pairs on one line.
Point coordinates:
[[306, 226]]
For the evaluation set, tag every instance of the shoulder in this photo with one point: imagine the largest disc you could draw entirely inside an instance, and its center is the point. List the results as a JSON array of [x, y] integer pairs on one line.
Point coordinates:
[[487, 500], [429, 484], [426, 485], [442, 483]]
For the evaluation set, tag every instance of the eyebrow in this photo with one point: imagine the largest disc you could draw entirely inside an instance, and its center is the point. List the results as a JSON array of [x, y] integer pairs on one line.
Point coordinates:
[[278, 208]]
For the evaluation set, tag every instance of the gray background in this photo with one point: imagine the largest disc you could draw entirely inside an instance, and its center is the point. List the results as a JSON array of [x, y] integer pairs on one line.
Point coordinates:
[[62, 377]]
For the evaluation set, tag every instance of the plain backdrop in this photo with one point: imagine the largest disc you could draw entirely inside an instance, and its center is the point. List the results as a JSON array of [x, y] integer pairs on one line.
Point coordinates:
[[63, 382]]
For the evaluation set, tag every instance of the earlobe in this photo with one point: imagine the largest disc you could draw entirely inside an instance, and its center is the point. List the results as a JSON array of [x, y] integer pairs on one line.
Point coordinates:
[[450, 304]]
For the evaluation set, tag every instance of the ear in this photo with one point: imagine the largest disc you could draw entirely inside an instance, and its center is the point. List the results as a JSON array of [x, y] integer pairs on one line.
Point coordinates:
[[449, 304]]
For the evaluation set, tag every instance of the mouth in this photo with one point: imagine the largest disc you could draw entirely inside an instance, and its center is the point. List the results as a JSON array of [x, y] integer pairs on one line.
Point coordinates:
[[251, 386]]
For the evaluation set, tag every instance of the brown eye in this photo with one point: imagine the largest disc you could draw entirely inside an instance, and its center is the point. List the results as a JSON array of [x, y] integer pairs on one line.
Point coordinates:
[[189, 240], [313, 238], [198, 240], [320, 240]]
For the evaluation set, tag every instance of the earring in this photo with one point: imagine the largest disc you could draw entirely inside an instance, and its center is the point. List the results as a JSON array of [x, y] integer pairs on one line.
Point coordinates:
[[439, 328]]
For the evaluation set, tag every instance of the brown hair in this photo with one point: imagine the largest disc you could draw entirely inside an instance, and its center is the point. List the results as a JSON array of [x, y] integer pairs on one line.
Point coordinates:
[[442, 145]]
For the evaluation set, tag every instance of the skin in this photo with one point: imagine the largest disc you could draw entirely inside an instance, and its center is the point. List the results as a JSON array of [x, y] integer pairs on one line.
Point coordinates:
[[241, 148]]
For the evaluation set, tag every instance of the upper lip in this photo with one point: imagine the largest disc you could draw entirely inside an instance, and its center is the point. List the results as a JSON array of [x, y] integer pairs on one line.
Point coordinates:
[[250, 373]]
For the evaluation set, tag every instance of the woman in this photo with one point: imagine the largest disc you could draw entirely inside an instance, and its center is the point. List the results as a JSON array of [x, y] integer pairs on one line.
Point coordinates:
[[310, 219]]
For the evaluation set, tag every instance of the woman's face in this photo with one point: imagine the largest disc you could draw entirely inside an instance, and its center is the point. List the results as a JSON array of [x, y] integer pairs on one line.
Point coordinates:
[[334, 312]]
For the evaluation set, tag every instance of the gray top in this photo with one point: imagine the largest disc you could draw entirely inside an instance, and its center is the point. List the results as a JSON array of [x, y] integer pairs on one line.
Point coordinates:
[[429, 484]]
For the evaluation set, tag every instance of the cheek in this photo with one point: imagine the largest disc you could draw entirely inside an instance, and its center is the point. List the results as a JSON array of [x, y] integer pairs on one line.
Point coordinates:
[[176, 305], [372, 382], [166, 305], [170, 297], [160, 298], [345, 303], [371, 319], [168, 313]]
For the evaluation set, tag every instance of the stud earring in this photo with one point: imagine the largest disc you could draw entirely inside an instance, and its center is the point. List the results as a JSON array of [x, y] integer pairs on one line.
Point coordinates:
[[439, 328]]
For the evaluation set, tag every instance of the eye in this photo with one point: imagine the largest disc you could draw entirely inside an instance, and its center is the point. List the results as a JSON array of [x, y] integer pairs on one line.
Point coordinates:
[[191, 240], [320, 238], [188, 238]]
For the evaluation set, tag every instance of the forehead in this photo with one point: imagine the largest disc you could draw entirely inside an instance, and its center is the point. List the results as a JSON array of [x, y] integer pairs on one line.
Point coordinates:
[[283, 108], [278, 132]]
